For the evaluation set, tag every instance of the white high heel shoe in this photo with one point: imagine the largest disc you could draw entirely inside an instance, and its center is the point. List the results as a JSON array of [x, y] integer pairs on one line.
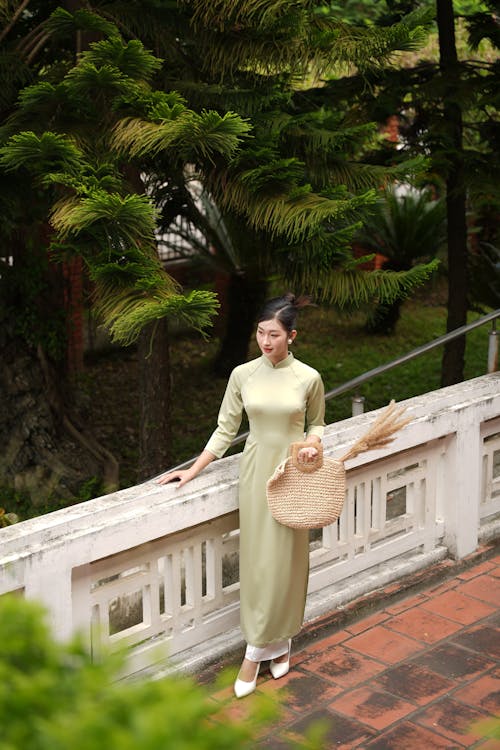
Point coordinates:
[[281, 668], [242, 687]]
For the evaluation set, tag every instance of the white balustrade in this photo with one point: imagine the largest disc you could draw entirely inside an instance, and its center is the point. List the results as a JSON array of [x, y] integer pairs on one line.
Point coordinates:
[[154, 569]]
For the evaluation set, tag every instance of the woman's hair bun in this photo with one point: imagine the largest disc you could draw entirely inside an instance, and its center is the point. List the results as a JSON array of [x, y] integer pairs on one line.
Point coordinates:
[[303, 301], [284, 308]]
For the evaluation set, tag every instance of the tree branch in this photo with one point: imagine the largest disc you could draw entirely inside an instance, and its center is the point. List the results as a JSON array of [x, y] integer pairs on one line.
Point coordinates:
[[13, 20]]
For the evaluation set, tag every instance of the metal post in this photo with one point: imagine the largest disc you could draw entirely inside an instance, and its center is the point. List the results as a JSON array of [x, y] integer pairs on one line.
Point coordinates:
[[358, 405], [493, 348]]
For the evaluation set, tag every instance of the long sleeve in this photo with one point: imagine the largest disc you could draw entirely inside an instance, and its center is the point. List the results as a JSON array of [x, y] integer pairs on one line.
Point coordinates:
[[315, 411], [229, 419]]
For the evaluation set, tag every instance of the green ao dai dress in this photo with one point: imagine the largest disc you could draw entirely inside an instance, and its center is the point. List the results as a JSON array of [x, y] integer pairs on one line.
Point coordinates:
[[281, 401]]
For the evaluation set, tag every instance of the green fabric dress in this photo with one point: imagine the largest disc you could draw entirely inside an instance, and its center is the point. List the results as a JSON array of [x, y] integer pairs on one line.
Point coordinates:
[[280, 401]]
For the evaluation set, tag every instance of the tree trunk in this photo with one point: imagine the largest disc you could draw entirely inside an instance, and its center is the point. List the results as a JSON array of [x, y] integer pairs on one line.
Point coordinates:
[[245, 297], [46, 453], [155, 395], [453, 358]]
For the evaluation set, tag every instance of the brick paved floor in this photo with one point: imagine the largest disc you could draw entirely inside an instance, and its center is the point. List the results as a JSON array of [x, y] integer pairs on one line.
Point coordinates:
[[418, 673]]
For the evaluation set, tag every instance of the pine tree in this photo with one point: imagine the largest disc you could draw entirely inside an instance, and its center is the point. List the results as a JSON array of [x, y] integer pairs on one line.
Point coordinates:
[[291, 199], [290, 180], [59, 156], [448, 110]]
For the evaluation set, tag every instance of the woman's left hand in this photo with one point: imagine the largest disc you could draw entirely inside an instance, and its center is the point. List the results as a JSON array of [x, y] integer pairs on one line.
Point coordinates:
[[307, 455]]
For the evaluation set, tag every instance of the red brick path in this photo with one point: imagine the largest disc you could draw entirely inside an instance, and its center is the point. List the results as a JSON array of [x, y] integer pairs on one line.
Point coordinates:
[[417, 674]]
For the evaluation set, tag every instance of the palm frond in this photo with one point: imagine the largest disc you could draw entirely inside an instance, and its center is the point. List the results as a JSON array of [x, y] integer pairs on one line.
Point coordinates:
[[405, 226]]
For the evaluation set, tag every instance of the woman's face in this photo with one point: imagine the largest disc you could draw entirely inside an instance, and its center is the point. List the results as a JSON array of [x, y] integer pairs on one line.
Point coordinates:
[[273, 338]]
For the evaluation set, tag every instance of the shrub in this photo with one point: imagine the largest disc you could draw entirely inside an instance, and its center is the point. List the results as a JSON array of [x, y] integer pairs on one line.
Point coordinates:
[[53, 697]]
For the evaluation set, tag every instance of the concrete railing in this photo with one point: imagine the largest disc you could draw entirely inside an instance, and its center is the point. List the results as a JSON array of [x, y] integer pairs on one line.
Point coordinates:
[[155, 569]]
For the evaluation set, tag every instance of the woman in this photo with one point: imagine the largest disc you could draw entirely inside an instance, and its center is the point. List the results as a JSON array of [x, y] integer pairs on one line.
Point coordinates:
[[280, 396]]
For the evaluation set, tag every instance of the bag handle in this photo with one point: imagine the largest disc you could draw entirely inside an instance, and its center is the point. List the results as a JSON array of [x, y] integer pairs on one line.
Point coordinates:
[[309, 467]]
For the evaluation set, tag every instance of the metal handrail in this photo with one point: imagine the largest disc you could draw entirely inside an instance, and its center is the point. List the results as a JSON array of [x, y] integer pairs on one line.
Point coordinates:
[[455, 334], [355, 382]]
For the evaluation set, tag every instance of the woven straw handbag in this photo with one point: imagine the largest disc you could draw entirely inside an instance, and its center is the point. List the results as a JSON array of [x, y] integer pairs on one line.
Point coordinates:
[[310, 496]]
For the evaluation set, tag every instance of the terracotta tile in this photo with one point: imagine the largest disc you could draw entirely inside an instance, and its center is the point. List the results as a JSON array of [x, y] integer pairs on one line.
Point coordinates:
[[424, 625], [484, 693], [443, 587], [344, 667], [485, 587], [301, 692], [404, 604], [482, 638], [413, 683], [373, 707], [322, 644], [275, 742], [450, 660], [493, 621], [454, 720], [384, 644], [476, 570], [458, 607], [238, 710], [408, 736], [342, 733], [495, 572], [367, 622]]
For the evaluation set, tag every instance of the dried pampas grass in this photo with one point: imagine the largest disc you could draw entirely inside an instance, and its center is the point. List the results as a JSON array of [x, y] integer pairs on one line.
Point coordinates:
[[381, 433]]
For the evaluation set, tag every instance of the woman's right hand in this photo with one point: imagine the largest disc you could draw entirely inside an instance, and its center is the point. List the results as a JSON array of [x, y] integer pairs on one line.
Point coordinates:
[[181, 476]]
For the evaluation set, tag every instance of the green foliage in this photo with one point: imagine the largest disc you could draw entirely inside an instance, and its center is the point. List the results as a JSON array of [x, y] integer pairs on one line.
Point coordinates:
[[40, 153], [7, 519], [405, 227], [80, 163], [53, 696], [131, 216], [26, 301], [278, 36], [21, 506], [127, 313], [183, 135], [62, 23]]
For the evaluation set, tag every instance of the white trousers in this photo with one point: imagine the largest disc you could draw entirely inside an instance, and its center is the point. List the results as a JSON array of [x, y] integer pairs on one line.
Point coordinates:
[[254, 653]]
